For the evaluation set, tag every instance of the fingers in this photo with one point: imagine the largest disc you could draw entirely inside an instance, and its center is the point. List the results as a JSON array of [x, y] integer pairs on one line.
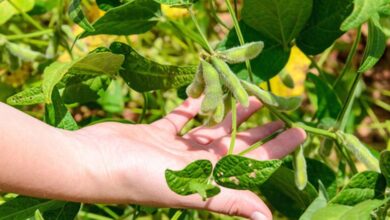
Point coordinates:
[[282, 145], [176, 120], [204, 135], [232, 202], [246, 138]]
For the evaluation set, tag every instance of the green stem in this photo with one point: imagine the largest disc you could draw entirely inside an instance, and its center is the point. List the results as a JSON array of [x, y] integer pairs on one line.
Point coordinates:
[[29, 35], [27, 17], [316, 131], [378, 102], [351, 55], [342, 119], [347, 157], [144, 108], [259, 143], [318, 68], [215, 15], [108, 211], [93, 216], [234, 126], [177, 215], [209, 48], [240, 36]]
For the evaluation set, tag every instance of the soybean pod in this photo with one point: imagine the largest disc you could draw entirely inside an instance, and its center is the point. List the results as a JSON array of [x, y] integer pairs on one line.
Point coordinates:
[[280, 103], [360, 151], [299, 163], [213, 89], [218, 115], [242, 53], [196, 88], [231, 81]]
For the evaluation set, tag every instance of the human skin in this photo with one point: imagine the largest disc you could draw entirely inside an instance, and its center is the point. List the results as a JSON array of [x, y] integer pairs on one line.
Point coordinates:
[[120, 163]]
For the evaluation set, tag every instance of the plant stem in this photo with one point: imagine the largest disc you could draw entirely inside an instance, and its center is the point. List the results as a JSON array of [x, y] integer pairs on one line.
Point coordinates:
[[351, 55], [342, 119], [259, 143], [27, 17], [234, 126], [240, 36], [29, 35], [144, 108], [347, 157], [316, 131], [209, 48], [177, 215], [215, 15]]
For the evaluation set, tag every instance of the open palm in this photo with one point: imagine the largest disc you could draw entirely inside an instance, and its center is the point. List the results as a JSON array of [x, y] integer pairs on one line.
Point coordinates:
[[135, 157]]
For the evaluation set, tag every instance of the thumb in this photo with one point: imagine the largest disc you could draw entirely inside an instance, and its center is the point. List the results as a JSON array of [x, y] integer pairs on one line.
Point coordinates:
[[235, 203]]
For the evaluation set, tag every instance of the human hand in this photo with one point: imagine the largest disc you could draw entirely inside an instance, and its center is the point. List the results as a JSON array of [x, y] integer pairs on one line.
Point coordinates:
[[130, 160]]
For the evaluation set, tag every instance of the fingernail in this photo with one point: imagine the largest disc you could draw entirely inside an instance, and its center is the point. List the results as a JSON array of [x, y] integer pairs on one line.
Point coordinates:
[[258, 216]]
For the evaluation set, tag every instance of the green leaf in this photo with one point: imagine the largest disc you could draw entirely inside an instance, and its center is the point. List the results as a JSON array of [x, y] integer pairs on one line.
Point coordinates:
[[326, 97], [237, 172], [185, 32], [30, 96], [320, 202], [269, 63], [93, 65], [176, 3], [194, 178], [385, 165], [361, 152], [51, 76], [363, 10], [323, 27], [106, 5], [24, 207], [331, 212], [362, 211], [281, 192], [376, 45], [78, 17], [134, 17], [6, 91], [112, 99], [278, 102], [144, 75], [68, 211], [38, 215], [362, 186], [86, 91], [7, 10], [57, 115], [279, 20]]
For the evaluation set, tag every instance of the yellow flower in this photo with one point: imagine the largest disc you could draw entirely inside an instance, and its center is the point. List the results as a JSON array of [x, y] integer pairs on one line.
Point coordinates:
[[172, 12], [297, 67]]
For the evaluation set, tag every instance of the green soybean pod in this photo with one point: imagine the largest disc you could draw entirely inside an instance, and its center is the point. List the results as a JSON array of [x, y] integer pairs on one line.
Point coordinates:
[[196, 88], [286, 79], [219, 112], [299, 163], [231, 81], [280, 103], [213, 89], [242, 53], [360, 151]]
